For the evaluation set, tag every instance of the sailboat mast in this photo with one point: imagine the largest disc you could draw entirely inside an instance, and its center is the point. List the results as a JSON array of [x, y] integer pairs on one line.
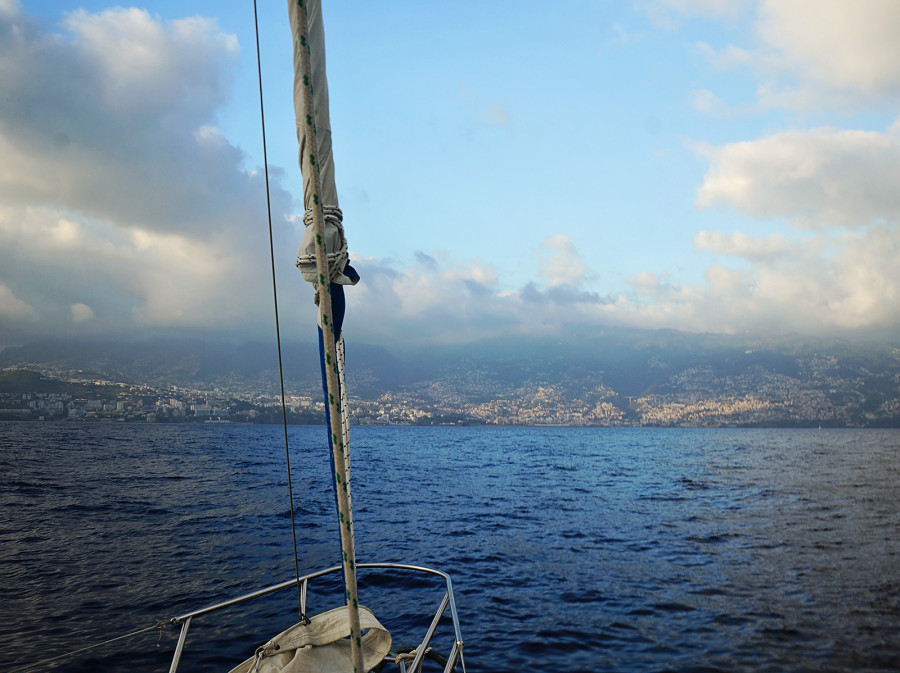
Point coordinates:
[[306, 19]]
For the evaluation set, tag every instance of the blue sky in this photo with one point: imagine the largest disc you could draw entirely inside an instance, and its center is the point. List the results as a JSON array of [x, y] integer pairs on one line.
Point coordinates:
[[503, 167]]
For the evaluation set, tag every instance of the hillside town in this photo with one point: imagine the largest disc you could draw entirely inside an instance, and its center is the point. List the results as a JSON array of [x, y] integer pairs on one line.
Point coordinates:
[[693, 398]]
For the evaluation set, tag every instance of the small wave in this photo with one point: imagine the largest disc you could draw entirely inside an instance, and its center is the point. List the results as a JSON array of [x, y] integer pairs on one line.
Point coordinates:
[[673, 607], [656, 497], [588, 596], [714, 538], [693, 485]]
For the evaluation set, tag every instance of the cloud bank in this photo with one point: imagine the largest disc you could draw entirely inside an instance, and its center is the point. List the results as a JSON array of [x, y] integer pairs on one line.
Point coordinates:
[[124, 209], [810, 53], [836, 185], [818, 178]]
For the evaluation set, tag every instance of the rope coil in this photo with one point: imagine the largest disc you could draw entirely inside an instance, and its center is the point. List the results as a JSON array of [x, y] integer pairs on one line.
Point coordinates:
[[337, 256]]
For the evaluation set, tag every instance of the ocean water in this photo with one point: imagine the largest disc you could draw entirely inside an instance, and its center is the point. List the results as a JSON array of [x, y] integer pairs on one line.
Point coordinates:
[[570, 549]]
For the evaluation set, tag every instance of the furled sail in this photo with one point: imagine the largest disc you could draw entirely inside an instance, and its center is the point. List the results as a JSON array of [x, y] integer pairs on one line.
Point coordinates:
[[335, 241], [323, 261]]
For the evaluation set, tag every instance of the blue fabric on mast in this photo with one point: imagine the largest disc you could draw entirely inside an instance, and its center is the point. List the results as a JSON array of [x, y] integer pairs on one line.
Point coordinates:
[[338, 307]]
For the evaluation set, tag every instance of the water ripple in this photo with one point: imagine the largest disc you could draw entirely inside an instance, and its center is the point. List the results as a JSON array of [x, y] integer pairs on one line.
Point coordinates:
[[570, 549]]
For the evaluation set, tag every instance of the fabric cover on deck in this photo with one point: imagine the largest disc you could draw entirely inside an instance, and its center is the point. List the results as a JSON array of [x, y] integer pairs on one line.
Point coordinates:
[[320, 646]]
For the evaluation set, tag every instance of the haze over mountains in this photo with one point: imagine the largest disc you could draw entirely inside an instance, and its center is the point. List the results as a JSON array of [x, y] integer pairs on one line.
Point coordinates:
[[611, 377]]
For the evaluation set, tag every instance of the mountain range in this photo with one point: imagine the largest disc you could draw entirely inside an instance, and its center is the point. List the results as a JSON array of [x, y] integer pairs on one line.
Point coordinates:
[[661, 377]]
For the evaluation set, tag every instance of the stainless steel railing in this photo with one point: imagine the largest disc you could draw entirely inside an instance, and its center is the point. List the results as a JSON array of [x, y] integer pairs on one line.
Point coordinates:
[[410, 662]]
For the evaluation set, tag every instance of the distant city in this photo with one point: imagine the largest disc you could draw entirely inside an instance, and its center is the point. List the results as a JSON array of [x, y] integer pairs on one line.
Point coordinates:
[[669, 380]]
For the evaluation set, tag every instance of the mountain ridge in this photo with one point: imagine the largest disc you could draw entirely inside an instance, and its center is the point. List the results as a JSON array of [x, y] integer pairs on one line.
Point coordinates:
[[614, 376]]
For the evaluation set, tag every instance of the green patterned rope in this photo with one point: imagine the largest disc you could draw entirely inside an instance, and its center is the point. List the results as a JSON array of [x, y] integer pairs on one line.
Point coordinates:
[[342, 485]]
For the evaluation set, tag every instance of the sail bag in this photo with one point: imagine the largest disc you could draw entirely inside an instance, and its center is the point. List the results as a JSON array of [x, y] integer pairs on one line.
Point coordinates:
[[320, 646]]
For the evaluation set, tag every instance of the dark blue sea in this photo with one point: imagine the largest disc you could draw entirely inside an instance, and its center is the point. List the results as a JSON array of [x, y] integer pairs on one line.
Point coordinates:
[[570, 549]]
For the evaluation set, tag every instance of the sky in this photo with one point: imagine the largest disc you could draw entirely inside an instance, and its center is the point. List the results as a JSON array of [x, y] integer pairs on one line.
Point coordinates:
[[504, 168]]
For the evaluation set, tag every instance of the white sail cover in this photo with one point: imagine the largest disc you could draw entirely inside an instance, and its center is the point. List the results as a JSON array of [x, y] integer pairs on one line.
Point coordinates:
[[320, 646], [335, 242]]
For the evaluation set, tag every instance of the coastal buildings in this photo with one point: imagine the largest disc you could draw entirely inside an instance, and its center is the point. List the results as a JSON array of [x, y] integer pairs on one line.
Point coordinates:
[[695, 398]]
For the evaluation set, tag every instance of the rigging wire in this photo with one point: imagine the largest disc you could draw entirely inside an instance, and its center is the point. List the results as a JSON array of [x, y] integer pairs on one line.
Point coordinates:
[[68, 655], [287, 453]]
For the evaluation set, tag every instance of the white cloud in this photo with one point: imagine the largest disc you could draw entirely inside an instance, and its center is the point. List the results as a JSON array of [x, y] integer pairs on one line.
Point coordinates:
[[426, 302], [894, 129], [104, 122], [137, 280], [666, 13], [841, 274], [116, 185], [747, 247], [830, 285], [716, 8], [561, 264], [10, 7], [822, 177], [845, 282], [137, 59], [851, 46], [810, 53], [814, 283], [707, 102], [865, 279], [11, 307], [81, 312]]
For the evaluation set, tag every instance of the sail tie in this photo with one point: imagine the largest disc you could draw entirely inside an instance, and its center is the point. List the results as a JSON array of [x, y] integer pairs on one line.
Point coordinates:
[[335, 243]]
